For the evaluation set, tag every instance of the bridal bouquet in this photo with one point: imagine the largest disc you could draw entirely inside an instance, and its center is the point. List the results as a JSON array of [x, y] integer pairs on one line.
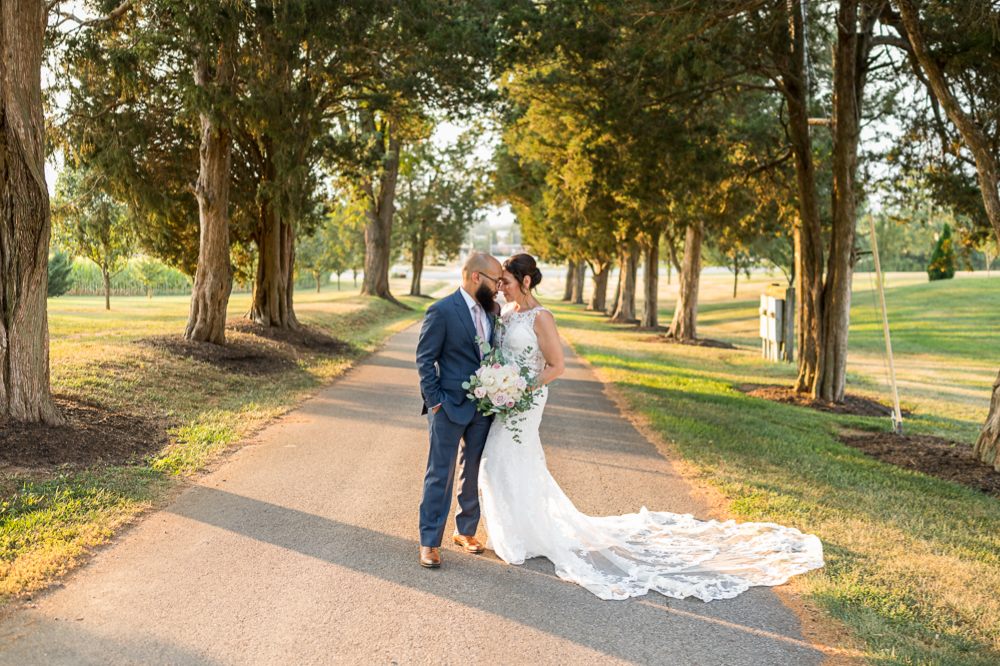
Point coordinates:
[[501, 386]]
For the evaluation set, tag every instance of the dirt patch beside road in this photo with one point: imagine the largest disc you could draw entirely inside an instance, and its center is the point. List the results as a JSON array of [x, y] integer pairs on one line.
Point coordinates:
[[853, 404], [251, 348], [951, 461], [303, 338], [697, 342], [91, 436]]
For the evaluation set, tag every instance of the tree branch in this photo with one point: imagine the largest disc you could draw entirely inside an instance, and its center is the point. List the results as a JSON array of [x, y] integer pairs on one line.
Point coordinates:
[[86, 23], [898, 42]]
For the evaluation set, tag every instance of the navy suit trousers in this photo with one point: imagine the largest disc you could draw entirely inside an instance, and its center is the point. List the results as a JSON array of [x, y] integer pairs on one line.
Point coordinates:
[[452, 444]]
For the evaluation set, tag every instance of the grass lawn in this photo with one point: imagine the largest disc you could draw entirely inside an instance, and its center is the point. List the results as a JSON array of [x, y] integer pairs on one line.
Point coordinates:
[[913, 563], [50, 519]]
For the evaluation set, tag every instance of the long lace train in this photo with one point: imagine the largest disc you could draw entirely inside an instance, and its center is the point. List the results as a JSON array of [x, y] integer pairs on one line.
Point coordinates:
[[528, 515]]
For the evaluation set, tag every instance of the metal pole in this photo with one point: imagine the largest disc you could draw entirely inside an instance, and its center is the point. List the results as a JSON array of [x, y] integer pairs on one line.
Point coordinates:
[[897, 417]]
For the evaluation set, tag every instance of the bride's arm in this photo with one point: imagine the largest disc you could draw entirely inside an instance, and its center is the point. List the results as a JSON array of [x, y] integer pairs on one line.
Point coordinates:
[[550, 346]]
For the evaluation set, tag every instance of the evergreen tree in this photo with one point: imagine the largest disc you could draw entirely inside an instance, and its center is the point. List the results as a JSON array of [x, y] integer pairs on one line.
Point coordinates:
[[943, 258], [60, 274]]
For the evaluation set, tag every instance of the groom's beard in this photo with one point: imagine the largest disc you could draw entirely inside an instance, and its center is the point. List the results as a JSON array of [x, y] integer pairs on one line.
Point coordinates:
[[485, 296]]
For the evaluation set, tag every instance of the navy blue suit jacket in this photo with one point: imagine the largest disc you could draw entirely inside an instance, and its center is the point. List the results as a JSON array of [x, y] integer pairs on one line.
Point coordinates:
[[447, 356]]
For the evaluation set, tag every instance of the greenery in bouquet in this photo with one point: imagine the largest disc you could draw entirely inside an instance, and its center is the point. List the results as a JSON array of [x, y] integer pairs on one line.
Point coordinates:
[[502, 387]]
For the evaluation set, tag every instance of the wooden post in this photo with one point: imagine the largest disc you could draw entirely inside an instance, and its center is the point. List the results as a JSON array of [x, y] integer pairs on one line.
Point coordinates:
[[897, 417]]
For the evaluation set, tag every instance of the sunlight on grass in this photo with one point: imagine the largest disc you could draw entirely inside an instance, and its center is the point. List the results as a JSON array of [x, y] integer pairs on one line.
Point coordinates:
[[913, 563], [48, 522]]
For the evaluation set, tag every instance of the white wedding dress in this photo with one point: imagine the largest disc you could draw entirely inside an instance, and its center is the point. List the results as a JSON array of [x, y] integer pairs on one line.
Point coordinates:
[[528, 515]]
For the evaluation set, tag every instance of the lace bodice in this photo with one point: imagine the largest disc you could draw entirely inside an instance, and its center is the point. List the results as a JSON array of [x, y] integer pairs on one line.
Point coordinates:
[[518, 340]]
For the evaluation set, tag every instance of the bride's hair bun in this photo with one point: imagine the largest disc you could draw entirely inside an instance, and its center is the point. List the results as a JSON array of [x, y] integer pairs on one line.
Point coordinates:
[[522, 266]]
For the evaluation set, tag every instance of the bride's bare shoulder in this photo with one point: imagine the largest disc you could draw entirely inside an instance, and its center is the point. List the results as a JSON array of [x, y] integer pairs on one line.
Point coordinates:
[[545, 319]]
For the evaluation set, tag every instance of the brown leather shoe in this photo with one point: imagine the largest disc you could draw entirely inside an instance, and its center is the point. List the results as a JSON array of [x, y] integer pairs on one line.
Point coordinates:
[[469, 543], [430, 557]]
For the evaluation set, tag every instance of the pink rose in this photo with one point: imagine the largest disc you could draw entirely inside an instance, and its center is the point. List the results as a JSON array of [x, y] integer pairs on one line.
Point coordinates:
[[499, 399], [497, 366], [521, 383], [480, 392], [510, 403], [479, 372]]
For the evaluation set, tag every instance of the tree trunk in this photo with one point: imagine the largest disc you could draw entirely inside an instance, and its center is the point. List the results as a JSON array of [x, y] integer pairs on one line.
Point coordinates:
[[849, 74], [600, 279], [316, 276], [684, 325], [579, 281], [988, 445], [213, 280], [25, 219], [570, 280], [417, 265], [651, 282], [672, 262], [810, 261], [275, 238], [736, 272], [288, 271], [380, 192], [106, 274], [613, 307], [625, 313]]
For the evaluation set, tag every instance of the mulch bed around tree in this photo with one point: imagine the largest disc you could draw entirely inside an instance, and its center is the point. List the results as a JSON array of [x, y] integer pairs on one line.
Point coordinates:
[[951, 461], [698, 342], [92, 435], [251, 348], [303, 338], [242, 354], [853, 404]]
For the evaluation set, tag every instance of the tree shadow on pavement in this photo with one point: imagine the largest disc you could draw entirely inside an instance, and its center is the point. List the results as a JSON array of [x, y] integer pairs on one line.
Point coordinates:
[[645, 631], [67, 642]]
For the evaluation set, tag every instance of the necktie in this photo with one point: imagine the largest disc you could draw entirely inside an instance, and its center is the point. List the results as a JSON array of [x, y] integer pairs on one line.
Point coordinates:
[[477, 311]]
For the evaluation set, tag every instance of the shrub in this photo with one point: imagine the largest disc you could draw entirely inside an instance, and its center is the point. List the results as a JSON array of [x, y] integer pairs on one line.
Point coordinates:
[[943, 258], [60, 274]]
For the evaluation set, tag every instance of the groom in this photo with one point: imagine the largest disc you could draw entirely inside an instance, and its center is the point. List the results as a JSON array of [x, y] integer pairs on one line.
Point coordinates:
[[447, 355]]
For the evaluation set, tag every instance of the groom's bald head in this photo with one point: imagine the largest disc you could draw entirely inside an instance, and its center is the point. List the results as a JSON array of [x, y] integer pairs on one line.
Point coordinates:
[[480, 262], [481, 276]]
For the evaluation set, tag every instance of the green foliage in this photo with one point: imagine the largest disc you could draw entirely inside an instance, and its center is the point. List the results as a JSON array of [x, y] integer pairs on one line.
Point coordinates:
[[942, 265], [619, 128], [440, 196], [336, 245], [963, 35], [60, 274], [91, 224], [148, 272]]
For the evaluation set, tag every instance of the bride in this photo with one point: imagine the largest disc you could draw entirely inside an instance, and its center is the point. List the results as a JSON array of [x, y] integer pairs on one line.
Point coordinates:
[[528, 515]]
